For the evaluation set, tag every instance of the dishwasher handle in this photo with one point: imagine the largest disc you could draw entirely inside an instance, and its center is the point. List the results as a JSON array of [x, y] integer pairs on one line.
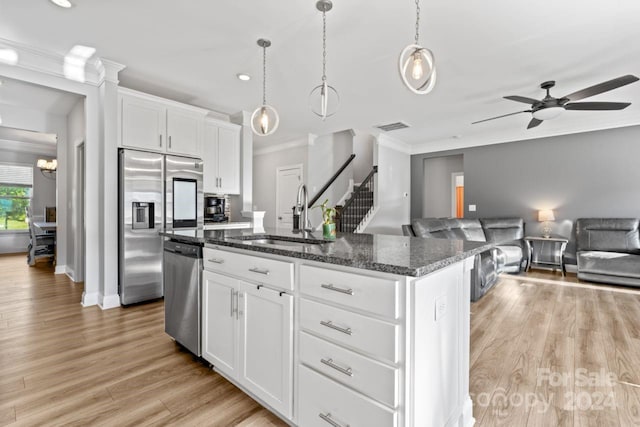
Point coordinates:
[[183, 249]]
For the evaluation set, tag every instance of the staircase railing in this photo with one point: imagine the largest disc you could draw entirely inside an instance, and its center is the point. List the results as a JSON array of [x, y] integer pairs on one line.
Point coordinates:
[[331, 181], [358, 206]]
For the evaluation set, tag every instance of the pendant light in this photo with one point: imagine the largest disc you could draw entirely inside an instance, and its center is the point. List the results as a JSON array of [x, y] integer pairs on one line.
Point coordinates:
[[324, 99], [417, 64], [265, 119]]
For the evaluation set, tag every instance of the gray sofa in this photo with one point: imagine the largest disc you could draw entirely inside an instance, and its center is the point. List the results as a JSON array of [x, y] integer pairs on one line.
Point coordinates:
[[608, 250], [507, 233]]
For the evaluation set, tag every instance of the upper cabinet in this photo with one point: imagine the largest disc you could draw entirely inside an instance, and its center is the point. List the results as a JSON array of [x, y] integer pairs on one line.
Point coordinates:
[[221, 157], [152, 123]]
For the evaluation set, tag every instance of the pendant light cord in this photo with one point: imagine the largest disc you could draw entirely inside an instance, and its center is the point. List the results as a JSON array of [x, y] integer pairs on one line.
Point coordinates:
[[324, 46], [264, 75], [417, 21]]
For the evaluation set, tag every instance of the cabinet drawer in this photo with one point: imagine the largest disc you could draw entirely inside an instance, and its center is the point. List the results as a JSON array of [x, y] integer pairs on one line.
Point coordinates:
[[278, 274], [365, 375], [321, 397], [372, 336], [367, 293]]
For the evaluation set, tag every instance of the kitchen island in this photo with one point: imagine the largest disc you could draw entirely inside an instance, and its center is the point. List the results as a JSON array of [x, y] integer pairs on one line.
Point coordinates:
[[366, 330]]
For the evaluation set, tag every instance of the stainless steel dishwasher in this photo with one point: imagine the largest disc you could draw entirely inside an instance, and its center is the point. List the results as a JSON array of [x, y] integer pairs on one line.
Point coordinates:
[[182, 293]]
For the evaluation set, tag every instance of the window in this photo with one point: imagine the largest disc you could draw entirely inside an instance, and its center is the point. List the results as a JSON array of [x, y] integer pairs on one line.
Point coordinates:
[[16, 182]]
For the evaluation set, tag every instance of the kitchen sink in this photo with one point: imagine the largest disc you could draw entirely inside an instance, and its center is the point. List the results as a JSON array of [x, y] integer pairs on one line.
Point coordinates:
[[292, 242]]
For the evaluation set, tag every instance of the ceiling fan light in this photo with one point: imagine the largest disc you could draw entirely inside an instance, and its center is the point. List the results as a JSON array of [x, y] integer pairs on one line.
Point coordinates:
[[547, 113]]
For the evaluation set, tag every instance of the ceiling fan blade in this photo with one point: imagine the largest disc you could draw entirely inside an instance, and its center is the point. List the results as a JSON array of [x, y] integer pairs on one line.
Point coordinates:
[[499, 117], [602, 87], [597, 106], [533, 123], [524, 99]]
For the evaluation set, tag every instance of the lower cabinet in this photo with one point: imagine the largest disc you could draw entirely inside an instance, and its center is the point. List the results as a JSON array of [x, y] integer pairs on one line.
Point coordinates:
[[248, 336]]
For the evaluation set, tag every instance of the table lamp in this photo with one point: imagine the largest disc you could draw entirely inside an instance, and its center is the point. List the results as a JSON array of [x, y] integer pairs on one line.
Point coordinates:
[[545, 217]]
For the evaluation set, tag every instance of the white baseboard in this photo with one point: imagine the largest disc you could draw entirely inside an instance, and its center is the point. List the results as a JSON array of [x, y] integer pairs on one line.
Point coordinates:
[[467, 413], [61, 269], [89, 299], [71, 275], [107, 302]]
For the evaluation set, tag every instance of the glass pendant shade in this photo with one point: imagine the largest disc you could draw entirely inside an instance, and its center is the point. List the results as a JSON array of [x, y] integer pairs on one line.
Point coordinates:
[[265, 119], [417, 64], [324, 100], [417, 69]]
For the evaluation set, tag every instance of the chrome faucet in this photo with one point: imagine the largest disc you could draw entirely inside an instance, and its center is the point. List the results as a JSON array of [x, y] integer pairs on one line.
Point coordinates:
[[301, 207]]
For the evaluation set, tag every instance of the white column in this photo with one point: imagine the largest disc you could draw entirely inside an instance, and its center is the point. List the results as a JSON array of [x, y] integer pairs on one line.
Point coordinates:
[[108, 87]]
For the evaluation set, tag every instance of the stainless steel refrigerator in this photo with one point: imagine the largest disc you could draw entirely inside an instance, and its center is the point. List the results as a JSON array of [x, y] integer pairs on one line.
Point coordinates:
[[156, 192]]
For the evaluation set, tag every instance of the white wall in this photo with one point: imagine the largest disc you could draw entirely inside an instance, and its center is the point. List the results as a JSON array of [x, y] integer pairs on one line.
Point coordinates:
[[393, 183], [264, 175], [44, 194], [363, 144]]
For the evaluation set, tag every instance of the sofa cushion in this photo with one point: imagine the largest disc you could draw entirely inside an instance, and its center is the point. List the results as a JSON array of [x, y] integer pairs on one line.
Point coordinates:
[[608, 234], [609, 263], [500, 230], [512, 254], [468, 229], [429, 227]]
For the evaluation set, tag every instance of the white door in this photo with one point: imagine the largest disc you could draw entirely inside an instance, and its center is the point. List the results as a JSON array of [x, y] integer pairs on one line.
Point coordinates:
[[266, 345], [183, 131], [288, 180], [219, 322], [229, 160], [143, 124], [210, 158]]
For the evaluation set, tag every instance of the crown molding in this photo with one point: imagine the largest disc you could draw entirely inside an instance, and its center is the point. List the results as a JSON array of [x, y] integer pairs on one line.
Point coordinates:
[[300, 142], [31, 58]]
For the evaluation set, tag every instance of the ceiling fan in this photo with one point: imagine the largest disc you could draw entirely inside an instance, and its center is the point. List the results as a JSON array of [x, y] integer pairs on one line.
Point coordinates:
[[549, 107]]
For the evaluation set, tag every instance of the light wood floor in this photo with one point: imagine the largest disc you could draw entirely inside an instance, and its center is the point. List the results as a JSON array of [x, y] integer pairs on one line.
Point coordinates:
[[61, 364]]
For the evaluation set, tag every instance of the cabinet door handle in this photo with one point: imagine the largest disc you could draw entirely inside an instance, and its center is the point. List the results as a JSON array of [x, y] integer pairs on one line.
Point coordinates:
[[327, 418], [335, 288], [160, 140], [220, 182], [216, 260], [169, 141], [259, 271], [329, 362], [238, 311], [231, 299], [329, 324]]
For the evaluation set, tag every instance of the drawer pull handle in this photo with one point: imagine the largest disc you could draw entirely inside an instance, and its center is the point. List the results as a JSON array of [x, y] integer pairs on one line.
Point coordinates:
[[334, 288], [327, 418], [329, 324], [259, 271], [329, 362], [216, 260]]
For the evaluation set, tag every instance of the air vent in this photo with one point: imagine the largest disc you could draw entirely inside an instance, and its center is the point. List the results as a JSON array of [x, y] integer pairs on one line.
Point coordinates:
[[393, 126]]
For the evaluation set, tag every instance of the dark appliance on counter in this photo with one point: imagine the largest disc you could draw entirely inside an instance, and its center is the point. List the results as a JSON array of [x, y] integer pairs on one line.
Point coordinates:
[[214, 209]]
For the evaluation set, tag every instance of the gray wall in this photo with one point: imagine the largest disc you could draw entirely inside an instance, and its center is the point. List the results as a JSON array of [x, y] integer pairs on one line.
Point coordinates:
[[594, 174], [436, 191]]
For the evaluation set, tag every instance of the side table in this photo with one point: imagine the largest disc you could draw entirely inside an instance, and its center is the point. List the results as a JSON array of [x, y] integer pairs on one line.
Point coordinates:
[[559, 245]]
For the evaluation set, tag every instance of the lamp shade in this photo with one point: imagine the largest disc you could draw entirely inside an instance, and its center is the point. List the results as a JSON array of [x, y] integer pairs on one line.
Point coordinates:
[[546, 215]]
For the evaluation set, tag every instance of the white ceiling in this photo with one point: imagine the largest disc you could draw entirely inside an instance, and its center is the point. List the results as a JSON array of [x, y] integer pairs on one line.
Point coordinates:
[[192, 51]]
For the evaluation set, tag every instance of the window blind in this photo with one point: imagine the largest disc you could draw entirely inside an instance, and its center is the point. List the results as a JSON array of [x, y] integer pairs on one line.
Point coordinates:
[[16, 175]]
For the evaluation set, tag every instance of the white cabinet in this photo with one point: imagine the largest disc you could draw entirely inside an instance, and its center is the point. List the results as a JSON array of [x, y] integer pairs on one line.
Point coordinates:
[[247, 334], [219, 322], [142, 124], [221, 157], [183, 132], [266, 345], [151, 123]]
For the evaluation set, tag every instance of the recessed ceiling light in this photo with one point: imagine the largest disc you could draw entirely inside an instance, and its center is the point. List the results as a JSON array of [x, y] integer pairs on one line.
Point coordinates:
[[243, 77], [62, 3]]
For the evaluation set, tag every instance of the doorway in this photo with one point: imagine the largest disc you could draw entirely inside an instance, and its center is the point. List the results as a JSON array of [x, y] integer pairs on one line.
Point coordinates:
[[457, 195], [288, 179]]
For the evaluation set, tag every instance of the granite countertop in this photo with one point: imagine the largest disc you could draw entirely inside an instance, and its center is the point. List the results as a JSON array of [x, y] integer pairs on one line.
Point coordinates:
[[406, 256]]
